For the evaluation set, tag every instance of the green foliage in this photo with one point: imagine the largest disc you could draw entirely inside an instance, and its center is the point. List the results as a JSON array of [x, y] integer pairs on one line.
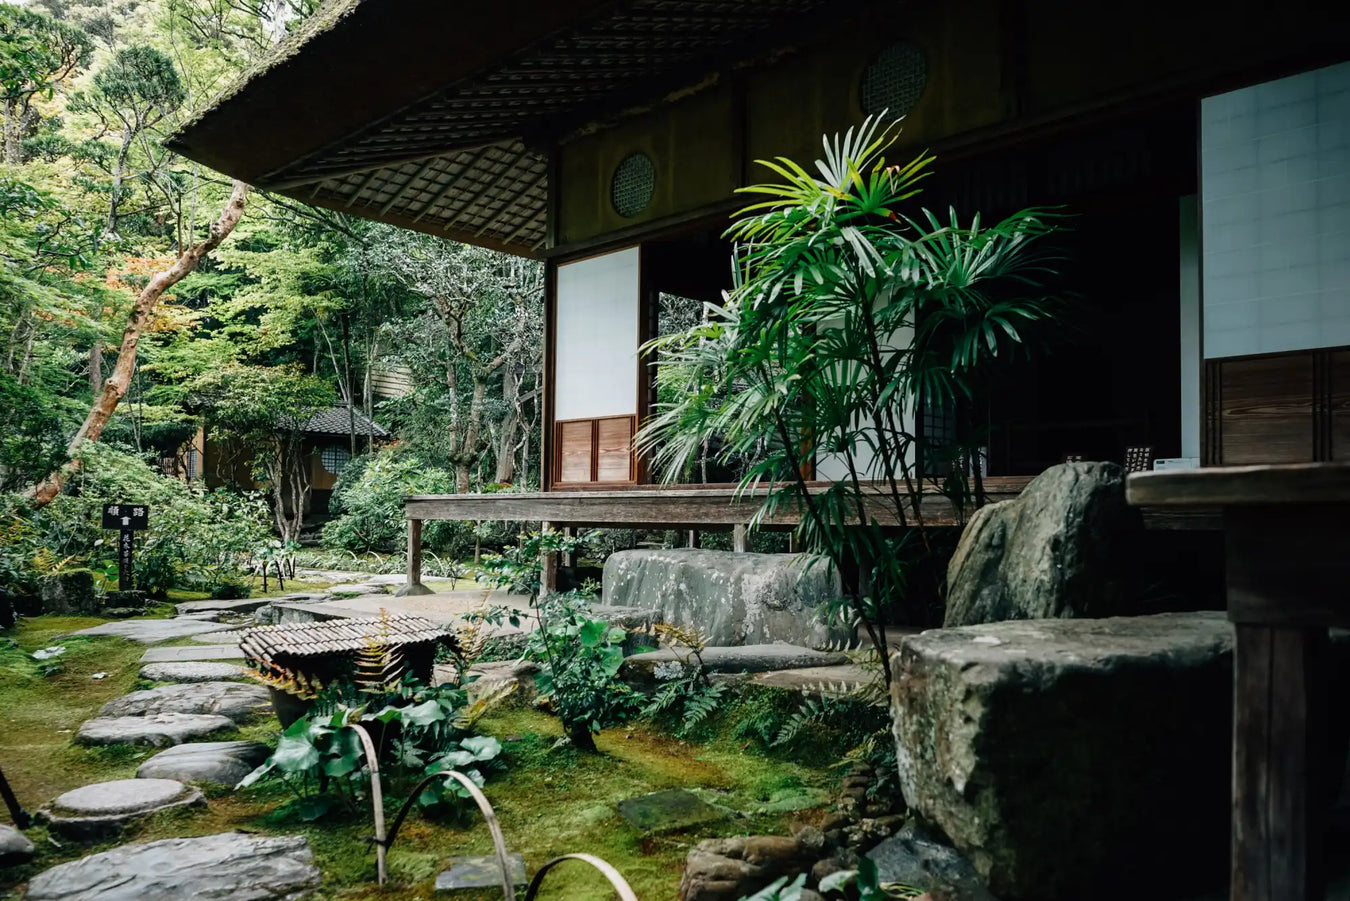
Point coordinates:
[[418, 731], [368, 502], [852, 311], [685, 694], [779, 890], [139, 86], [866, 883], [37, 53]]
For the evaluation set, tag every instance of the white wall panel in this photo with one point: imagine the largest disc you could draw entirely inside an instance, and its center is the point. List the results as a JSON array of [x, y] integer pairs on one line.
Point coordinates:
[[597, 336], [1275, 193]]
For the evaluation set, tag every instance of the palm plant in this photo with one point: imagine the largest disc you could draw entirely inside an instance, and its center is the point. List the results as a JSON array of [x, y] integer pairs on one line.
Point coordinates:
[[847, 314]]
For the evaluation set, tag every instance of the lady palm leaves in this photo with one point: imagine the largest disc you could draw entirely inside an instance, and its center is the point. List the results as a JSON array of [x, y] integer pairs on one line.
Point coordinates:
[[846, 311]]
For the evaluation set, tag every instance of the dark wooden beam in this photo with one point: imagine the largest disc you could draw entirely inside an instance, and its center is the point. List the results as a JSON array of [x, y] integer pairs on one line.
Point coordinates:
[[450, 182], [487, 186], [398, 195], [505, 205]]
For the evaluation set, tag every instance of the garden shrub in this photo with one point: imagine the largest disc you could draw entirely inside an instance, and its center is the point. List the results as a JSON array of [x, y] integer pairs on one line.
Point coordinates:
[[368, 501]]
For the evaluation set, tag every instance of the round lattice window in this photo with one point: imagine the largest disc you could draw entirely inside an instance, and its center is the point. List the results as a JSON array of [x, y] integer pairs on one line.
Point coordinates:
[[634, 181], [893, 82], [334, 458]]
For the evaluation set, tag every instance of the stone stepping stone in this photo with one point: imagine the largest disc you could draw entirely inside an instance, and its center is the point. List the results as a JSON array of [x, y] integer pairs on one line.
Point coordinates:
[[749, 658], [221, 762], [236, 700], [203, 671], [663, 811], [831, 681], [229, 865], [15, 848], [217, 637], [479, 872], [242, 605], [160, 730], [151, 631], [102, 809], [191, 654]]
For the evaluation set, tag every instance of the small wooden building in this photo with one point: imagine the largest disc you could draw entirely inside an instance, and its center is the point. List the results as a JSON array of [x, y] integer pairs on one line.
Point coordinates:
[[1203, 148]]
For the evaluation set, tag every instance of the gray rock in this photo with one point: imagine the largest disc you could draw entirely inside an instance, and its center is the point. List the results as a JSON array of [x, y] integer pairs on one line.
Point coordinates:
[[69, 594], [752, 658], [236, 700], [213, 868], [214, 638], [1058, 550], [221, 762], [914, 859], [160, 730], [103, 809], [662, 811], [150, 631], [726, 869], [356, 588], [479, 872], [240, 605], [188, 654], [732, 598], [1056, 754], [200, 671], [15, 848]]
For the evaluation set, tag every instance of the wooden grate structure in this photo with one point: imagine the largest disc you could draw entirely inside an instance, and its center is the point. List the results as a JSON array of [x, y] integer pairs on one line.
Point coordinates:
[[338, 636], [462, 156]]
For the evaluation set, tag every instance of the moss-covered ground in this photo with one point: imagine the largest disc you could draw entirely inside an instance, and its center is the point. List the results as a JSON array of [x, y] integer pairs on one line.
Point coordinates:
[[550, 800]]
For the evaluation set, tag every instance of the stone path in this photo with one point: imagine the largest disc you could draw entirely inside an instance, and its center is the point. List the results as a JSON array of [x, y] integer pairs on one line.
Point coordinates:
[[101, 810], [193, 654], [205, 671], [662, 811], [479, 872], [221, 762], [15, 848], [229, 865], [833, 681], [241, 605], [236, 700], [160, 730], [750, 658], [234, 635], [150, 631]]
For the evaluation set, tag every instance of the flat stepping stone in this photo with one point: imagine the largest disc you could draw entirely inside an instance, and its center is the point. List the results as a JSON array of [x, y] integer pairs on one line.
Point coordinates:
[[189, 654], [227, 866], [160, 730], [479, 872], [750, 658], [356, 588], [102, 809], [242, 605], [150, 631], [221, 762], [830, 681], [662, 811], [234, 635], [236, 700], [203, 671], [15, 848]]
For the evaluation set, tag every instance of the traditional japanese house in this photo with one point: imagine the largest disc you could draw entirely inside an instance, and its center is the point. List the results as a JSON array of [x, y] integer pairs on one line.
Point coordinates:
[[1203, 149]]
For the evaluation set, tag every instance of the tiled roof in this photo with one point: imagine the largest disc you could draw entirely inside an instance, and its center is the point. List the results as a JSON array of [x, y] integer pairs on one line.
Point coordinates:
[[338, 421]]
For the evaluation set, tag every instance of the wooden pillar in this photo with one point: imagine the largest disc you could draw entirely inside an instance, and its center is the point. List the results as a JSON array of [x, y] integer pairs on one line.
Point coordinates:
[[740, 539], [1279, 763], [794, 543], [548, 576], [414, 585], [569, 559], [694, 538]]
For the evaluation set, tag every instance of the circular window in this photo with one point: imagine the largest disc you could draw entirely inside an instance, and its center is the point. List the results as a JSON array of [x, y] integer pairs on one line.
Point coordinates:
[[893, 82], [634, 181], [334, 458]]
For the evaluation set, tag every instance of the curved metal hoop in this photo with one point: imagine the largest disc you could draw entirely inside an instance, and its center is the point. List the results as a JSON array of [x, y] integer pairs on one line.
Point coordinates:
[[376, 800], [615, 879], [498, 840]]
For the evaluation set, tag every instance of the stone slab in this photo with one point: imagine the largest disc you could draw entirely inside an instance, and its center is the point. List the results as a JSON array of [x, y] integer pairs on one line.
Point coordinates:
[[104, 808], [15, 848], [202, 671], [832, 681], [667, 810], [192, 654], [220, 762], [235, 635], [479, 872], [226, 866], [240, 605], [914, 859], [238, 701], [160, 731], [150, 631], [751, 658]]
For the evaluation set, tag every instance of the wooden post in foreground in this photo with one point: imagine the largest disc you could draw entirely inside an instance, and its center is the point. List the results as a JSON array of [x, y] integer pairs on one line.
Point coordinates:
[[414, 585], [740, 539], [548, 576]]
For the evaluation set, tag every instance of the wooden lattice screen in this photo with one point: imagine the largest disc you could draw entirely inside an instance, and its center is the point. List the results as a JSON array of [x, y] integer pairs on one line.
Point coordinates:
[[589, 451]]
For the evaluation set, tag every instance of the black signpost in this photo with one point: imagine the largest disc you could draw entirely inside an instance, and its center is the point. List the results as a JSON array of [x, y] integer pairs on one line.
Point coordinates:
[[126, 519]]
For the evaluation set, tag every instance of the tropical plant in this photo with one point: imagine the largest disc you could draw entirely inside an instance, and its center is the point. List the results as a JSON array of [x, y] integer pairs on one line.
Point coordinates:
[[853, 318], [866, 881], [685, 692], [779, 890]]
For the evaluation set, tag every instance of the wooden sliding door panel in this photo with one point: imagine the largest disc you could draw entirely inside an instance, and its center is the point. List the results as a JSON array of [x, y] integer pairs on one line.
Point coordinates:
[[614, 450], [1266, 412], [574, 450]]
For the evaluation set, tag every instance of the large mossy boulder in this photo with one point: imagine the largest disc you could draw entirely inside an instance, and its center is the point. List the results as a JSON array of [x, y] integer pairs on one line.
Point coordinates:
[[1061, 755], [1064, 548], [70, 594], [733, 598]]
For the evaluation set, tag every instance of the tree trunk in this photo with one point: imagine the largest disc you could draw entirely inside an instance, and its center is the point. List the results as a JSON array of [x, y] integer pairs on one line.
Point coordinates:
[[13, 127], [115, 387], [510, 426], [118, 174], [581, 738]]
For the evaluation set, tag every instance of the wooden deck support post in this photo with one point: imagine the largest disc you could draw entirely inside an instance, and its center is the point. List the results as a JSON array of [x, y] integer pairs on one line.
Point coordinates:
[[569, 559], [740, 538], [548, 576], [694, 538], [414, 585]]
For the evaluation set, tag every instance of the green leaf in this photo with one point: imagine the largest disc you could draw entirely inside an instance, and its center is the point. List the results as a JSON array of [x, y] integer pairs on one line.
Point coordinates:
[[294, 755], [482, 747]]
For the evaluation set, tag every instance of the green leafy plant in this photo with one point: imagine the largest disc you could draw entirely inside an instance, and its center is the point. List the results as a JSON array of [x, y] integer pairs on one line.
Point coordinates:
[[686, 694], [853, 313], [867, 883], [779, 890]]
